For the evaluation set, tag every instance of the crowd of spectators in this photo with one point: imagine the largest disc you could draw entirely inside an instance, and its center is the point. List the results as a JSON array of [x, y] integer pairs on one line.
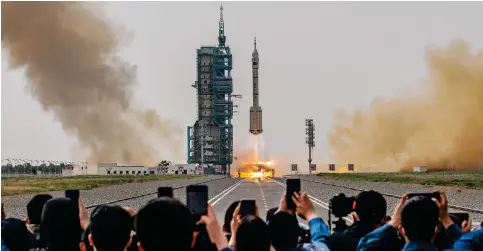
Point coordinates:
[[60, 224]]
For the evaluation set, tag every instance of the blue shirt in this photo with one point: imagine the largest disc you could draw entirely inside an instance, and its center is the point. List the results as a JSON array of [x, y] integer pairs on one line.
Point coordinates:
[[470, 241], [384, 238]]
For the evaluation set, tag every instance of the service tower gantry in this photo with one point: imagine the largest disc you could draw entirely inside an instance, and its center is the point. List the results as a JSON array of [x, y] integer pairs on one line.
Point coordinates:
[[210, 139]]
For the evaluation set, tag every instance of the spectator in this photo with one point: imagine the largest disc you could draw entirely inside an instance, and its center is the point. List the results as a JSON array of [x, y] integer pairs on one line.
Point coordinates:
[[305, 209], [418, 219], [284, 230], [251, 235], [85, 245], [60, 227], [15, 235], [470, 241], [110, 229], [228, 217], [270, 213], [164, 223], [214, 230], [34, 215], [370, 213]]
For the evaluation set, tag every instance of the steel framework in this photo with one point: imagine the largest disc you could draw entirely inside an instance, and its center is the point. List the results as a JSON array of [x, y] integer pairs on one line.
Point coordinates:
[[310, 139], [210, 139]]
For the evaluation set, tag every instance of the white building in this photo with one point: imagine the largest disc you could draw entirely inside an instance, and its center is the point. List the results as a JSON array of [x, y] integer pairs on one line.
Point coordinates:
[[115, 169], [419, 169], [185, 169]]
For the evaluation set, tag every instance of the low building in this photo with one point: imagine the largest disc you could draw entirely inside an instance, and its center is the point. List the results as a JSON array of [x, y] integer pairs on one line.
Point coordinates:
[[419, 169], [115, 169]]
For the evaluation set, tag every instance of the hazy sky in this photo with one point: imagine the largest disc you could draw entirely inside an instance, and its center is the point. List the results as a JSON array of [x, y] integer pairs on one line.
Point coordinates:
[[315, 57]]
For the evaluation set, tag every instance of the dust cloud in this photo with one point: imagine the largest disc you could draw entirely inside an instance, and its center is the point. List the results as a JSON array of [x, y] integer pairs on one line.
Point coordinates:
[[69, 53], [441, 128]]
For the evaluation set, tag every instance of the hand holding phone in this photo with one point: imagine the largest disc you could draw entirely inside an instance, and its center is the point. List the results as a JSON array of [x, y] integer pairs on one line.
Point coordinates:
[[197, 200], [459, 218], [293, 186]]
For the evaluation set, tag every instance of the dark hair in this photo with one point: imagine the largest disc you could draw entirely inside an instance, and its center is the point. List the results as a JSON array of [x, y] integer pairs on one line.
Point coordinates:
[[270, 214], [252, 235], [229, 215], [284, 230], [162, 222], [35, 206], [60, 228], [419, 218], [111, 228], [371, 207]]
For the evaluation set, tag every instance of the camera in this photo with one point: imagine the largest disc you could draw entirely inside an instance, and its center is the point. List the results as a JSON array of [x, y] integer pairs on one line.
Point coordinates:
[[341, 205]]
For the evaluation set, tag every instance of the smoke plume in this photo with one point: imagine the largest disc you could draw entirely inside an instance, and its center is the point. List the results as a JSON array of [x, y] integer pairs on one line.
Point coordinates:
[[69, 51], [440, 129]]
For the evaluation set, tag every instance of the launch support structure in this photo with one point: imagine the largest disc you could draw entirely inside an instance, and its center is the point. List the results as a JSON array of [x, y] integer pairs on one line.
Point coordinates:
[[210, 139]]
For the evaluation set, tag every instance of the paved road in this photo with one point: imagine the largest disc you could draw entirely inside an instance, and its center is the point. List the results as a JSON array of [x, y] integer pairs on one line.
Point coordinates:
[[266, 193]]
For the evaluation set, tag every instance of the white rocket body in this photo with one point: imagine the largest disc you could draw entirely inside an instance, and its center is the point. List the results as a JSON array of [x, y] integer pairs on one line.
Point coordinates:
[[255, 109]]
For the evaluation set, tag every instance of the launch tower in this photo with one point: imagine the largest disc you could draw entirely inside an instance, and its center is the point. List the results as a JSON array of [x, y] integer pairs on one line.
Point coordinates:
[[210, 139]]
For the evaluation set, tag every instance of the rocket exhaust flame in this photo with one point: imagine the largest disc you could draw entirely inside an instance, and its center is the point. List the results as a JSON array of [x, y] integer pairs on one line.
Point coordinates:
[[69, 55]]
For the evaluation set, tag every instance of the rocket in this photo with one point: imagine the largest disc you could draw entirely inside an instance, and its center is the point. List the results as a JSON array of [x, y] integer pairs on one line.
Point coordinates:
[[255, 109]]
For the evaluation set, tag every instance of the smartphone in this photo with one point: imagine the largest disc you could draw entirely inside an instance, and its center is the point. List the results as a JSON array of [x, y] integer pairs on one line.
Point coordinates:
[[458, 218], [73, 195], [428, 195], [165, 192], [197, 200], [247, 207], [293, 185]]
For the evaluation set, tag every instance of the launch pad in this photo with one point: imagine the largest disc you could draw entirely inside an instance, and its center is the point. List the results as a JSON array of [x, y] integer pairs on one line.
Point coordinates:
[[256, 170]]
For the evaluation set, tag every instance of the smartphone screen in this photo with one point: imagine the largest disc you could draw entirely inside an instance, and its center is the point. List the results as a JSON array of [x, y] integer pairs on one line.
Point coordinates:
[[247, 207], [165, 192], [197, 200], [293, 185], [429, 195], [458, 218]]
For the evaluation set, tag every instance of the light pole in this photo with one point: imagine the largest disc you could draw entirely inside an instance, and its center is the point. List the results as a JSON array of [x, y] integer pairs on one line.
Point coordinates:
[[309, 131]]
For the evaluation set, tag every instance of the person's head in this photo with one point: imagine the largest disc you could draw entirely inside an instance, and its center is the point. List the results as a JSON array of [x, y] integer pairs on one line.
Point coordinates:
[[60, 227], [110, 228], [419, 219], [284, 230], [252, 235], [164, 222], [229, 215], [15, 235], [270, 213], [371, 207], [35, 206]]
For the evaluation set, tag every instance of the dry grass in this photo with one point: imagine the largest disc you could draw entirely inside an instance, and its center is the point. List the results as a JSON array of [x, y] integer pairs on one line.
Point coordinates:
[[457, 179], [27, 185]]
